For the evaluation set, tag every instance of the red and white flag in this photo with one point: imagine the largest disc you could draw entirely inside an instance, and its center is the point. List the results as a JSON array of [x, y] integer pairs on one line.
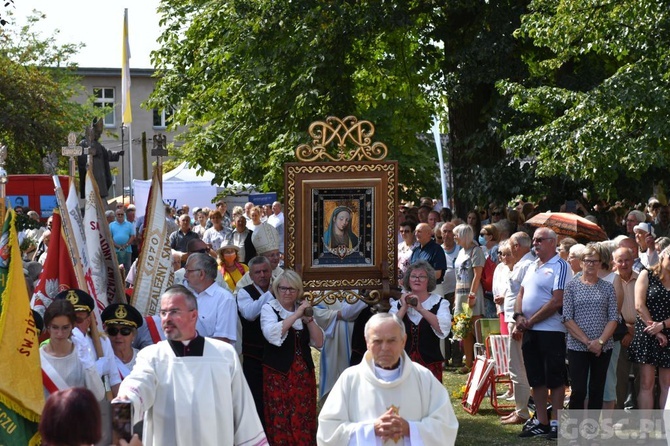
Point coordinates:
[[78, 241], [106, 276], [154, 266], [58, 272]]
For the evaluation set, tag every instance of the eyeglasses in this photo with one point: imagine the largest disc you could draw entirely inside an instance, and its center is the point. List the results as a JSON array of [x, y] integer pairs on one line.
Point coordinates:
[[286, 289], [484, 233], [540, 239], [419, 278], [174, 312], [496, 213], [590, 262], [628, 220], [120, 215], [113, 331], [504, 254]]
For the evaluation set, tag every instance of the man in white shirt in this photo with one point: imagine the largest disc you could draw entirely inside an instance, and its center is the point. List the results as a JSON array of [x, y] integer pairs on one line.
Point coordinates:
[[277, 220], [387, 399], [217, 314]]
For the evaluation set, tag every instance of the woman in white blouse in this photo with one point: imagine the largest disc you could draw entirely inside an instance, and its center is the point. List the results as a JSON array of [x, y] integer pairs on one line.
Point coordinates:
[[426, 317], [289, 384], [65, 358]]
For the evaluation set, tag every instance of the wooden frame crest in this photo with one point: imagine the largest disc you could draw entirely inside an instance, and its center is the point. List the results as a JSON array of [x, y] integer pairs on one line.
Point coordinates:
[[340, 213]]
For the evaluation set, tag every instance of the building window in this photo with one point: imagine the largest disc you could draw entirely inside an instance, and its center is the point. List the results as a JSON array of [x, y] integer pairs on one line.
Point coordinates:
[[104, 97], [162, 117]]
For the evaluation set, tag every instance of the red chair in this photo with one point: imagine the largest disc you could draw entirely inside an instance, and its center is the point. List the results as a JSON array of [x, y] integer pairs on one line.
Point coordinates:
[[496, 351], [479, 381]]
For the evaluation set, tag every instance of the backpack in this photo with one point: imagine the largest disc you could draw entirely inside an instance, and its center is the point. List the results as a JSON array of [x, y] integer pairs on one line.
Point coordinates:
[[487, 275]]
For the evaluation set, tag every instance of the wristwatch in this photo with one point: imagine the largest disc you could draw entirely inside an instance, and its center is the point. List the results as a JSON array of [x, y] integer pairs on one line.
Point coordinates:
[[516, 315], [601, 342]]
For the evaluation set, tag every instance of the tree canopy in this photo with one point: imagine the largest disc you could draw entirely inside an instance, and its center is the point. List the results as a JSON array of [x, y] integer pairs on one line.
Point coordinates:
[[599, 91], [248, 77], [37, 90], [538, 97]]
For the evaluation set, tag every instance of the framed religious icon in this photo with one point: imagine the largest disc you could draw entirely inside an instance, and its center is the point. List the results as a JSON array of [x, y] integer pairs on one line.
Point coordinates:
[[340, 219]]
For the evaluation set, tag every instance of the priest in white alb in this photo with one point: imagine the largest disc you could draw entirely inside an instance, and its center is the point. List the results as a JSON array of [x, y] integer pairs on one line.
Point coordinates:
[[190, 389], [387, 399]]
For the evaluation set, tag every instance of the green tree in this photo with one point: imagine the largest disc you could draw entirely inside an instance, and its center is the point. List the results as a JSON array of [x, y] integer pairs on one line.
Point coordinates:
[[599, 95], [37, 87], [248, 78]]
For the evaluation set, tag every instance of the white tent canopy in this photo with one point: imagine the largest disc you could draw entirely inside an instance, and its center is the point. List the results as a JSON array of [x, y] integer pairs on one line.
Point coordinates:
[[183, 185]]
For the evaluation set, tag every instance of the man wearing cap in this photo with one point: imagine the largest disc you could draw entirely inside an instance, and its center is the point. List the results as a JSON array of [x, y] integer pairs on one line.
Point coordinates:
[[121, 323], [266, 241], [190, 389], [217, 315], [250, 300], [645, 239]]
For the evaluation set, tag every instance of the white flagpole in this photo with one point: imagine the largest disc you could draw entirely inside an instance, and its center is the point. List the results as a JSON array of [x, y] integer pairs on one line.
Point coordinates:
[[438, 144], [126, 108]]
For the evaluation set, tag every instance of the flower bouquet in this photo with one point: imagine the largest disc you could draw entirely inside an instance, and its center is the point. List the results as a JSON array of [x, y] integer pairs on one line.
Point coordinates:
[[461, 324]]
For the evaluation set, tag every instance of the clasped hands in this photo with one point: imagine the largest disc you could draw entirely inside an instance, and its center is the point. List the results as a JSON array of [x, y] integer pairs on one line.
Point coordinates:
[[656, 329], [391, 426]]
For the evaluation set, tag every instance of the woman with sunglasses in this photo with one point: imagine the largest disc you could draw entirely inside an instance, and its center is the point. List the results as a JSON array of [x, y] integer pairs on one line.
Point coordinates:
[[121, 323], [65, 359]]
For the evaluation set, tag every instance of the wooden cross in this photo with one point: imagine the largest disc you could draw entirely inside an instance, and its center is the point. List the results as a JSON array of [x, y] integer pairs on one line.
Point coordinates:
[[72, 150], [159, 151]]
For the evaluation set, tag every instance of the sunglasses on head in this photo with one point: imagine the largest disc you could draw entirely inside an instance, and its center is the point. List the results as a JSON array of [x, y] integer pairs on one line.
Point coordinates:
[[125, 331]]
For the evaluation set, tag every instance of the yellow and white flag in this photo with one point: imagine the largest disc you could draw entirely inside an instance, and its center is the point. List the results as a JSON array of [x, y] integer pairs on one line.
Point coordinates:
[[21, 394], [154, 267], [126, 112]]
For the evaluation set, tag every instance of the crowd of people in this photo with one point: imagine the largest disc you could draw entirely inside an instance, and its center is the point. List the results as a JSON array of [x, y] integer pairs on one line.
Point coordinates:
[[235, 322], [601, 305]]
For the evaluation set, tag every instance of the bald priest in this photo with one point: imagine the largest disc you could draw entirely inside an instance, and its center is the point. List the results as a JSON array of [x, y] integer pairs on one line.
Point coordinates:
[[387, 399]]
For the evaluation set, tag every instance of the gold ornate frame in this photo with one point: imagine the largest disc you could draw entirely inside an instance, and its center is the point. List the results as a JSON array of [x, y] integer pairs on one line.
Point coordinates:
[[354, 176]]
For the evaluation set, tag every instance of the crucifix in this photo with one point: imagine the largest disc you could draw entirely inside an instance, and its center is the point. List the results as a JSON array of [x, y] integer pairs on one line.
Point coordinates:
[[3, 181], [159, 151], [72, 150]]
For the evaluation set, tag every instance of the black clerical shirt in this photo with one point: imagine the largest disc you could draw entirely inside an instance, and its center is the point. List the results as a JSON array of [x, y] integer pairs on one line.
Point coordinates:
[[194, 348]]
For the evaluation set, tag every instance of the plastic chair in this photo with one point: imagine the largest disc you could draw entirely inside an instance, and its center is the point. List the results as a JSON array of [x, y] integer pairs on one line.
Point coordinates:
[[484, 327], [479, 381], [497, 351]]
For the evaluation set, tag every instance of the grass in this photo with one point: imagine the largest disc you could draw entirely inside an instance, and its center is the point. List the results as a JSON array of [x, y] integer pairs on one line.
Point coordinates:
[[482, 428]]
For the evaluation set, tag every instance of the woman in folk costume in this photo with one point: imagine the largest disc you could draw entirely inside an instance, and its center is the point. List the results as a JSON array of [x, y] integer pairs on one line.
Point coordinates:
[[66, 361], [289, 385], [121, 323], [426, 317]]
